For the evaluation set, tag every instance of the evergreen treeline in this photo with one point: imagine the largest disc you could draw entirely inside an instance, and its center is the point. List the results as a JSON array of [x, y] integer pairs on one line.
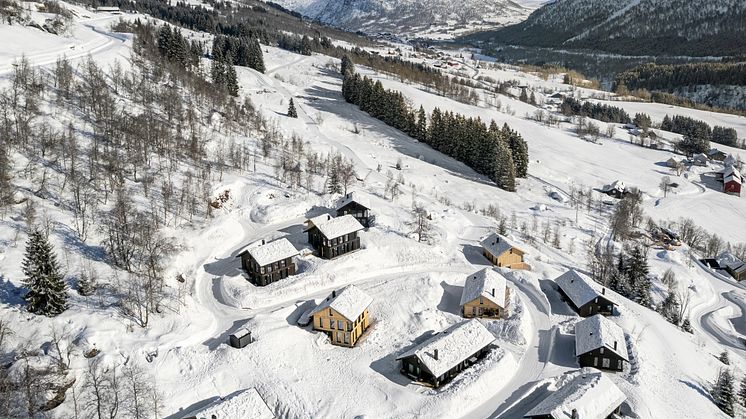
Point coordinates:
[[500, 154], [176, 48], [669, 77], [606, 113], [690, 127], [244, 51]]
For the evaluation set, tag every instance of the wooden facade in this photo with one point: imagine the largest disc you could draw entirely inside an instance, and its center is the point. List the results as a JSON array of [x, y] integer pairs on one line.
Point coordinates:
[[602, 358], [732, 186], [267, 274], [484, 308], [599, 305], [330, 248], [737, 271], [357, 210], [341, 330], [512, 259], [412, 367]]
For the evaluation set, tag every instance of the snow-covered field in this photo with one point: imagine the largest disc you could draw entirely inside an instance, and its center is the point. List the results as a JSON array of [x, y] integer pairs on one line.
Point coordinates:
[[416, 287]]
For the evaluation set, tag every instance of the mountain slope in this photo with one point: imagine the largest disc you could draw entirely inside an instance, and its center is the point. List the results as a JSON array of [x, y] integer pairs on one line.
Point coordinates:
[[408, 17], [633, 27]]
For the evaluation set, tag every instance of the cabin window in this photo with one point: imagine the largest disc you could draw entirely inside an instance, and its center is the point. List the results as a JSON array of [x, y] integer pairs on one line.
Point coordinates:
[[595, 361], [261, 270], [601, 351], [339, 336], [331, 323], [340, 325], [347, 338], [619, 364], [481, 300], [606, 363]]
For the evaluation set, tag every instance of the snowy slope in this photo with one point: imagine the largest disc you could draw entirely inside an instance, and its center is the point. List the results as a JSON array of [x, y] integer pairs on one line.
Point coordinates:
[[415, 287]]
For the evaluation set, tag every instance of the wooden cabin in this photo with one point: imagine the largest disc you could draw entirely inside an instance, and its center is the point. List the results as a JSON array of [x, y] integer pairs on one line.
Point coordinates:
[[584, 295], [737, 270], [356, 205], [485, 295], [239, 404], [343, 316], [732, 181], [587, 393], [437, 360], [332, 237], [715, 154], [600, 343], [241, 338], [503, 254], [700, 159], [266, 263]]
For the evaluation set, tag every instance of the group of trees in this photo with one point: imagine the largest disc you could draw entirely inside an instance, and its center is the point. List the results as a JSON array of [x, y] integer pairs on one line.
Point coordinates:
[[631, 278], [724, 391], [698, 134], [668, 77], [243, 52], [500, 154], [176, 48], [606, 113]]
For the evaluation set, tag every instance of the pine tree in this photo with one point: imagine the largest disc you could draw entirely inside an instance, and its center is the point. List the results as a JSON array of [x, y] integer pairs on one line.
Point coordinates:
[[347, 67], [518, 149], [524, 96], [257, 56], [724, 393], [335, 185], [724, 358], [86, 284], [217, 70], [637, 274], [503, 227], [742, 392], [532, 99], [421, 129], [47, 292], [686, 326], [505, 172], [5, 174], [291, 109], [231, 79]]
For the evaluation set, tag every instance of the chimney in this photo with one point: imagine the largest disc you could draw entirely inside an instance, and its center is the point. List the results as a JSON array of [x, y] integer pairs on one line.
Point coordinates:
[[603, 291], [493, 292], [334, 294], [435, 354], [615, 345], [575, 414]]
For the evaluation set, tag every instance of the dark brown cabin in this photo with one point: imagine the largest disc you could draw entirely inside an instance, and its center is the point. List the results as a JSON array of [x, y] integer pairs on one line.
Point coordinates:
[[333, 237], [266, 263]]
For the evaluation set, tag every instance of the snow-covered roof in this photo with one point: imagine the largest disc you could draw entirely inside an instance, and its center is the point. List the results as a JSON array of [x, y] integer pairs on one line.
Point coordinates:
[[591, 394], [733, 178], [354, 197], [737, 267], [487, 283], [453, 345], [332, 228], [496, 245], [701, 157], [349, 302], [730, 160], [579, 288], [242, 332], [713, 151], [597, 332], [241, 404], [267, 253]]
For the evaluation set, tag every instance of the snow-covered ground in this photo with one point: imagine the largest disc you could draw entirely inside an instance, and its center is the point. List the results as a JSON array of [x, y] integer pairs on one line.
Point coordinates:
[[416, 287]]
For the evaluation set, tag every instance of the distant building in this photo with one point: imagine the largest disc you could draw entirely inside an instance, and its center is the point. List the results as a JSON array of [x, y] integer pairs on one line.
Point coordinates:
[[729, 161], [737, 270], [583, 294], [332, 237], [437, 360], [715, 154], [503, 254], [266, 263], [590, 395], [674, 162], [732, 181], [617, 189], [356, 205], [107, 9], [243, 403], [700, 159], [343, 316], [485, 294], [600, 343]]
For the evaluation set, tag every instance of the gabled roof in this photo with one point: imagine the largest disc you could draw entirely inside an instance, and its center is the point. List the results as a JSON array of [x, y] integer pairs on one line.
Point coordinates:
[[733, 178], [453, 345], [332, 228], [356, 197], [599, 332], [267, 253], [579, 288], [487, 283], [350, 302], [496, 244], [713, 151], [737, 267], [241, 332], [591, 394], [700, 156], [241, 404]]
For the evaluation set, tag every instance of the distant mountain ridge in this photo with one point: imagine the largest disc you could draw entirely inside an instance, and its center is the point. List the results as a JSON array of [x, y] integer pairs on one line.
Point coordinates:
[[409, 17], [633, 27]]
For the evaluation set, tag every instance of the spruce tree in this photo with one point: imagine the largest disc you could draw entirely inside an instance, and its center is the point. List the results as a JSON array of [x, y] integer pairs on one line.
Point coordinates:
[[217, 70], [505, 171], [257, 56], [724, 393], [291, 109], [335, 184], [421, 129], [637, 274], [518, 149], [348, 67], [742, 392], [86, 284], [686, 326], [524, 96], [231, 79], [6, 190], [724, 358], [47, 292]]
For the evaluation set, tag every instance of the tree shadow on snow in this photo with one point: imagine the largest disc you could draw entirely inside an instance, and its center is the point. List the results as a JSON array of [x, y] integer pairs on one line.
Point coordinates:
[[72, 242], [9, 293], [451, 300], [214, 343], [556, 301], [389, 367], [698, 388]]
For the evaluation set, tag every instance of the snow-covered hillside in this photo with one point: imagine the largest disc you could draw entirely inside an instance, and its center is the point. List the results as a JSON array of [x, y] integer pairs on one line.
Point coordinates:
[[416, 286], [440, 19]]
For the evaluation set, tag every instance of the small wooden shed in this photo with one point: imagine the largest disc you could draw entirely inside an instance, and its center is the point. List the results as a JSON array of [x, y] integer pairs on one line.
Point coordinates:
[[241, 338]]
